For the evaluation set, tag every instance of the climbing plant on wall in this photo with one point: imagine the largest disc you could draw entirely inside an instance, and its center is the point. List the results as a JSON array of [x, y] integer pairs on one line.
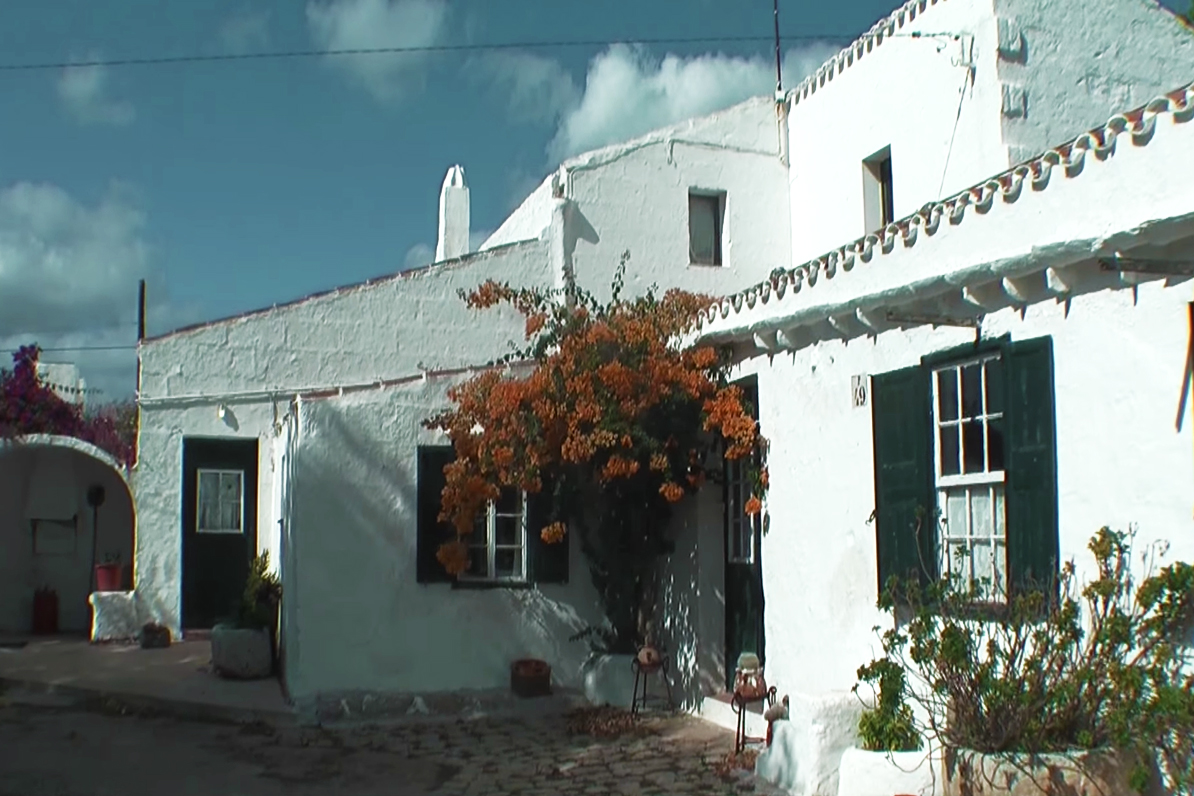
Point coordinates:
[[29, 406], [613, 418]]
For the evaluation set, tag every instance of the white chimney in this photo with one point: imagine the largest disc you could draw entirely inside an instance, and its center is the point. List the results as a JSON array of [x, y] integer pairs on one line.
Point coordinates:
[[453, 217]]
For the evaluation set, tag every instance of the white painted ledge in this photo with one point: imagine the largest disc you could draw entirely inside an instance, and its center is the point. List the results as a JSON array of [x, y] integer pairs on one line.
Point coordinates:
[[114, 616], [806, 750], [866, 773]]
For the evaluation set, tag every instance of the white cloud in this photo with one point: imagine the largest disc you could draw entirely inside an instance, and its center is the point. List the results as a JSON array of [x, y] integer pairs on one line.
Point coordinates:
[[245, 31], [373, 24], [628, 92], [418, 255], [68, 278], [83, 91]]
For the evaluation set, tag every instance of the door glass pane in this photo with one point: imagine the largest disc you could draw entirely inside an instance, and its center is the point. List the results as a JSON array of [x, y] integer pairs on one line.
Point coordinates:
[[229, 517], [994, 446], [230, 484], [980, 513]]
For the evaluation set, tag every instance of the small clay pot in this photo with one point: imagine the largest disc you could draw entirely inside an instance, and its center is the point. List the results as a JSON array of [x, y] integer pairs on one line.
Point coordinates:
[[649, 657], [530, 677]]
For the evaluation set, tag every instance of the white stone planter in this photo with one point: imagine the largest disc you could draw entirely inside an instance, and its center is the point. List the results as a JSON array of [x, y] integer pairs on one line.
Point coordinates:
[[608, 680], [865, 773], [241, 653], [1095, 773]]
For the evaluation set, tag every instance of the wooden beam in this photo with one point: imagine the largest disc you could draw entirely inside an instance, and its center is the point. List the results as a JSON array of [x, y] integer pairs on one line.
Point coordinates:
[[986, 297]]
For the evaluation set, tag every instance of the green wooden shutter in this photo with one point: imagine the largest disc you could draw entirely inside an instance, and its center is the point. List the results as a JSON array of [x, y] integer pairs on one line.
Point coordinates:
[[431, 532], [901, 414], [548, 562], [1033, 551]]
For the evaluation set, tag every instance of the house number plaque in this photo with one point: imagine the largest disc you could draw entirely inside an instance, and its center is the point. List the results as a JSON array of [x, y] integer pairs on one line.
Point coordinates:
[[858, 390]]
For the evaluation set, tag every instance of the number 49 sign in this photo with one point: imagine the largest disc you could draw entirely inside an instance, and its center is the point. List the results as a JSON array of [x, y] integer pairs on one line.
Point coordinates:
[[859, 390]]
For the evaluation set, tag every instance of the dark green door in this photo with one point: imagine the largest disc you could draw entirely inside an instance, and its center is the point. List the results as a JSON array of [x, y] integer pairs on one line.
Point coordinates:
[[743, 563], [219, 526]]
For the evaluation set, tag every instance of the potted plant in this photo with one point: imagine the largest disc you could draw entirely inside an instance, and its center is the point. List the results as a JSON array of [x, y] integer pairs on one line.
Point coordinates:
[[1056, 689], [242, 647], [530, 677], [890, 757], [108, 574]]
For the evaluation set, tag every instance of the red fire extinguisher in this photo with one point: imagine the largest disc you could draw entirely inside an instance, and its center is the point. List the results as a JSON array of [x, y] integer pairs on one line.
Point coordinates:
[[45, 611]]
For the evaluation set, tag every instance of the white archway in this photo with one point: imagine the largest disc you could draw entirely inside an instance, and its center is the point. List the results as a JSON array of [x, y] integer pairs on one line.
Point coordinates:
[[49, 535]]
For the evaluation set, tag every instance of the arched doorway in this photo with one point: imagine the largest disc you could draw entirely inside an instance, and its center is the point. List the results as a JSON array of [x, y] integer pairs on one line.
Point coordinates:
[[49, 532]]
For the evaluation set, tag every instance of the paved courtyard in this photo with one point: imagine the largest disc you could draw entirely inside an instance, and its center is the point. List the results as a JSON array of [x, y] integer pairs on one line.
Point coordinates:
[[66, 751]]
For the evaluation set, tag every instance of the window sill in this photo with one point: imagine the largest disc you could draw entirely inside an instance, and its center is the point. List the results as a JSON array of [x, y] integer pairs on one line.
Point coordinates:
[[705, 265], [489, 585]]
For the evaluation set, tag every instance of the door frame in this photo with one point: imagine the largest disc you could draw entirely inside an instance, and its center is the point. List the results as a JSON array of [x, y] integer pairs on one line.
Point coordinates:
[[749, 386], [211, 452]]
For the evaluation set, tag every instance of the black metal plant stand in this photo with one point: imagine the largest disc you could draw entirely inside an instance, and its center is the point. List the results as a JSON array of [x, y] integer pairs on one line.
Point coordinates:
[[642, 672], [739, 703]]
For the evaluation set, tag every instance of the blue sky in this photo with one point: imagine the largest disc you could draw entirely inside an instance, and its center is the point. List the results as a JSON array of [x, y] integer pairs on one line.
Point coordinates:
[[238, 184]]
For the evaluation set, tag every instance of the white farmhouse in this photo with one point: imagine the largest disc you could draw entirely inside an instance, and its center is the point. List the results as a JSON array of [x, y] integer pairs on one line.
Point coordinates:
[[297, 429], [979, 355]]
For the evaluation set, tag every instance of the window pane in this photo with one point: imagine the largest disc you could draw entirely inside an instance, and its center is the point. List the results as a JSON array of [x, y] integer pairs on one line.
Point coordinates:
[[972, 446], [994, 386], [947, 395], [230, 484], [1000, 517], [229, 517], [510, 501], [506, 530], [981, 521], [999, 557], [508, 563], [702, 225], [209, 486], [984, 572], [949, 450], [478, 562], [972, 402], [955, 512], [994, 445]]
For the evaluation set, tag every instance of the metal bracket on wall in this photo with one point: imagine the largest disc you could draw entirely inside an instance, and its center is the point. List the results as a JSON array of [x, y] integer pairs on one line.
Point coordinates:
[[921, 319], [1147, 266]]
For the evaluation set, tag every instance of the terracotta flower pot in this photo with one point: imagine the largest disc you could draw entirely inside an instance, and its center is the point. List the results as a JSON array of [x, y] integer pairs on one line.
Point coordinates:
[[530, 677], [649, 657], [107, 577]]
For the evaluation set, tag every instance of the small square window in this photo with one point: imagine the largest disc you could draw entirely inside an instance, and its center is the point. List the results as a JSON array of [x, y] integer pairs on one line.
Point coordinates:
[[706, 213], [498, 544], [220, 506]]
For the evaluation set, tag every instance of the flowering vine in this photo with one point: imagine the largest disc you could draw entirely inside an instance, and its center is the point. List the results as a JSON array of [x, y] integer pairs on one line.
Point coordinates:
[[28, 406], [611, 412]]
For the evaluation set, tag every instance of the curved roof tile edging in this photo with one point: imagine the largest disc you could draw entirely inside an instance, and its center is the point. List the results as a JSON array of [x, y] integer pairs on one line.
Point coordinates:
[[1139, 123], [878, 33]]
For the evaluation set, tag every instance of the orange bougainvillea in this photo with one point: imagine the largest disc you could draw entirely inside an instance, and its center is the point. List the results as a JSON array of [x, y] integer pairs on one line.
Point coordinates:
[[605, 390]]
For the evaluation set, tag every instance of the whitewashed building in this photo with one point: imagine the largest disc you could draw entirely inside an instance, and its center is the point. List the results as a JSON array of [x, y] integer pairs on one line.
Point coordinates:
[[997, 342], [299, 427]]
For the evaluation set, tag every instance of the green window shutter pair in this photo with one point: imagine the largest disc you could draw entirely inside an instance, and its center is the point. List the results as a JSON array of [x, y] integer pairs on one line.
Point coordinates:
[[548, 562], [905, 498]]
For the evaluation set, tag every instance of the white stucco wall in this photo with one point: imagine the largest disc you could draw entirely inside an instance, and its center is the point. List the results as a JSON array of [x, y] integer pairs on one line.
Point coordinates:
[[528, 222], [1120, 460], [634, 197], [363, 622], [904, 93], [253, 365], [361, 333], [1069, 69], [66, 469]]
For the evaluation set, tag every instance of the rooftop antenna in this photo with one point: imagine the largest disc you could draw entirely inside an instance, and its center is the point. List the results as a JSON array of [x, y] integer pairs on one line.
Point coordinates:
[[779, 78]]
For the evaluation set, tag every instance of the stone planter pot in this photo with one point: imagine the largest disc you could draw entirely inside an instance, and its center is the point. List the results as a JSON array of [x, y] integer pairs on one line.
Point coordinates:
[[241, 653], [609, 680], [1094, 773], [530, 677], [865, 773]]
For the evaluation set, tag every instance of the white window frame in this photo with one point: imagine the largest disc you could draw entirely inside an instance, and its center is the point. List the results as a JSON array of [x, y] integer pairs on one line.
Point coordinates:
[[491, 546], [717, 199], [993, 480], [199, 473]]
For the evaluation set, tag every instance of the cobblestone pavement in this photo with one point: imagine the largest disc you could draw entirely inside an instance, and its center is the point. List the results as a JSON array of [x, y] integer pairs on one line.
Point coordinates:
[[70, 752]]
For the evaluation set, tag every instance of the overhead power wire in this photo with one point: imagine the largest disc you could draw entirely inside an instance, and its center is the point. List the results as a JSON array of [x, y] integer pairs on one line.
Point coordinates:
[[436, 48]]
